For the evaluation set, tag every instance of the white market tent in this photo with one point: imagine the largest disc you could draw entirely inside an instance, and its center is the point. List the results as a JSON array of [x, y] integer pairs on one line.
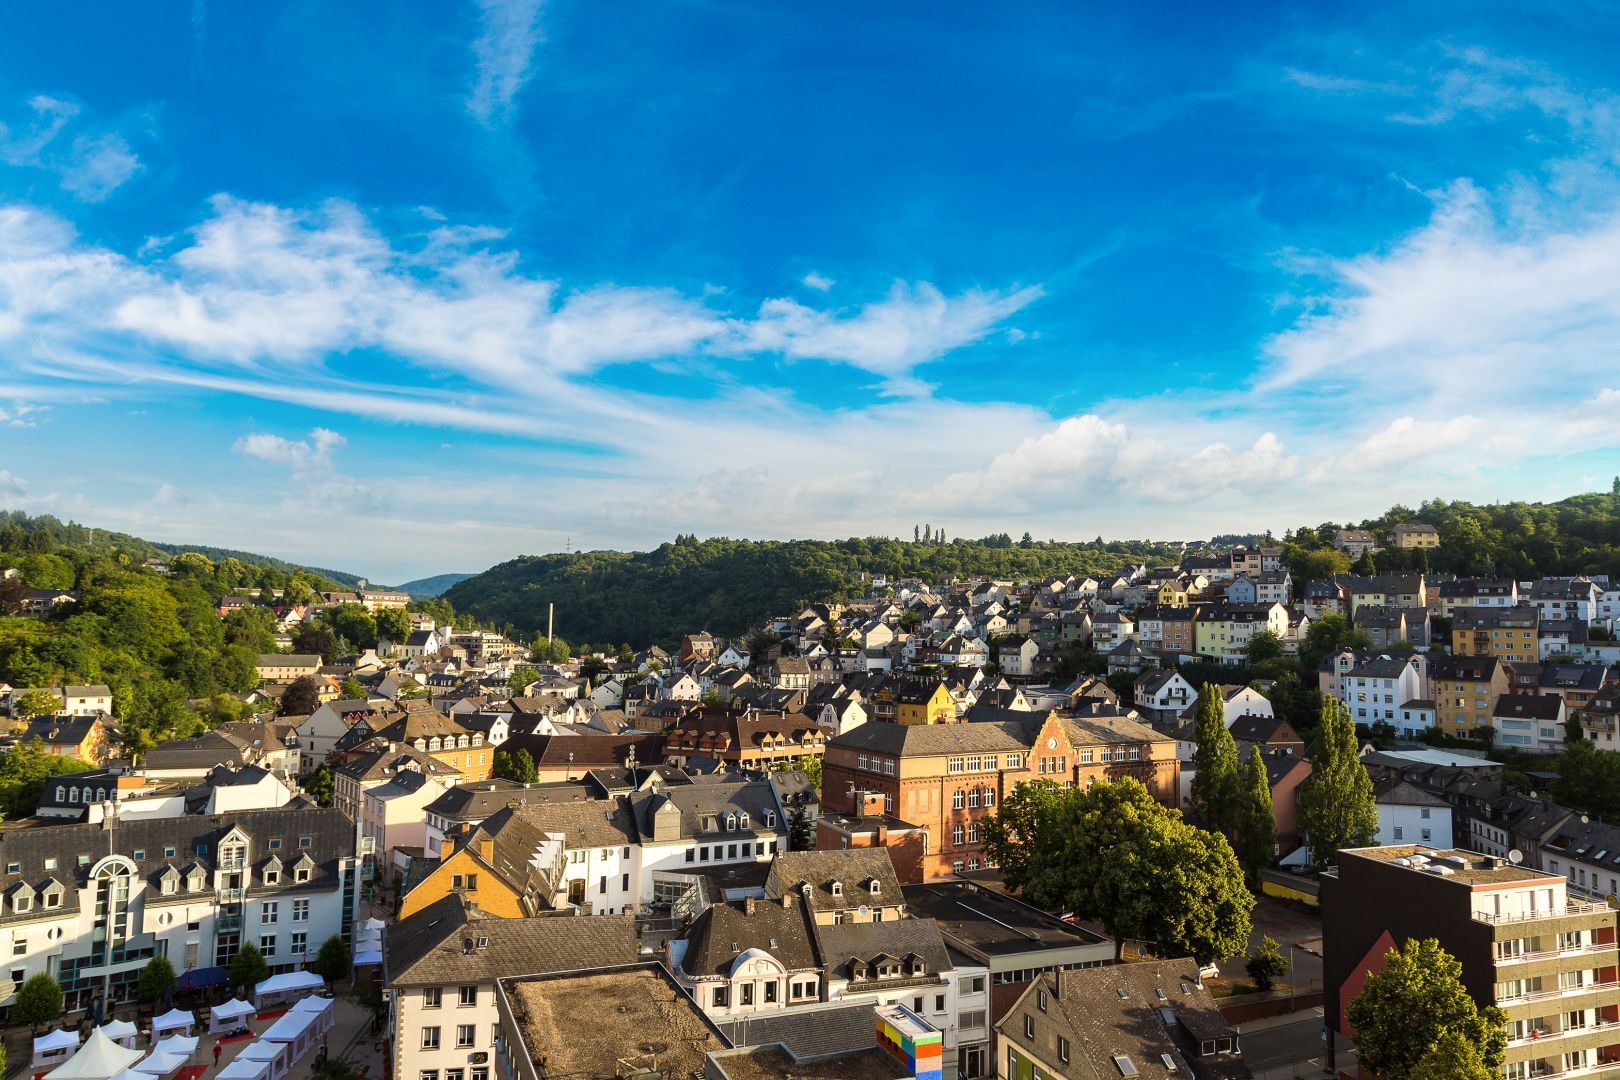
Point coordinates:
[[296, 1029], [372, 924], [173, 1020], [367, 956], [121, 1032], [320, 1008], [286, 986], [230, 1016], [178, 1044], [159, 1063], [98, 1059], [275, 1054], [241, 1068], [52, 1047]]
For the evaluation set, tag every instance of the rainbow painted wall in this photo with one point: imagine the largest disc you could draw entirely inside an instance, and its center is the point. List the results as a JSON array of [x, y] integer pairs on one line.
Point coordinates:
[[912, 1041]]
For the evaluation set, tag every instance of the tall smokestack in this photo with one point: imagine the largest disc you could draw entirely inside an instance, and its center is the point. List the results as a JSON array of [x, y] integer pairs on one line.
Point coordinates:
[[551, 610]]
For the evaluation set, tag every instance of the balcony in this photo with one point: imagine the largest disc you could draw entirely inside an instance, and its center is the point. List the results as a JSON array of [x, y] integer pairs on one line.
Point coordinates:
[[1552, 1037], [230, 896], [227, 923], [1602, 1068], [1561, 992], [234, 862], [1571, 908], [1553, 954]]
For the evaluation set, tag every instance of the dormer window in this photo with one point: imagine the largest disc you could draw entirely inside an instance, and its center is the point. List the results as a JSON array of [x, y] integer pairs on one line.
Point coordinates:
[[874, 887], [916, 966], [770, 819], [731, 823], [836, 888], [742, 821], [23, 901]]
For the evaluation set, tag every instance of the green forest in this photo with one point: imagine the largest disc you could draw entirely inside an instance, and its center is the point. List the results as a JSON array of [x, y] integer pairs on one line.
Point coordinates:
[[155, 640], [1577, 535], [729, 586]]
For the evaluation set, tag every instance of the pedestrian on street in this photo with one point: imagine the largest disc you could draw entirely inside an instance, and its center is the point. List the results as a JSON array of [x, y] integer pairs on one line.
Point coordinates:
[[216, 1055]]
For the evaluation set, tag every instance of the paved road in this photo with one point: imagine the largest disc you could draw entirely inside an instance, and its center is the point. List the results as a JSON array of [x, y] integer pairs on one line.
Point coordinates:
[[1285, 1049]]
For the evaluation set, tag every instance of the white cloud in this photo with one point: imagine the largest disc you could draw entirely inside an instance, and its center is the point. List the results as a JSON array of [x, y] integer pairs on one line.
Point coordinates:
[[259, 283], [818, 282], [509, 31], [12, 486], [890, 337], [313, 474], [90, 168], [18, 414], [100, 164]]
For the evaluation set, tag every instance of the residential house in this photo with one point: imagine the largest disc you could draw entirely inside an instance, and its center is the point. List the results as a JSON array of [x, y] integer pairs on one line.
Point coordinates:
[[744, 738], [1223, 631], [1409, 814], [1419, 535], [1376, 687], [1125, 1020], [1355, 542], [285, 667], [1530, 722]]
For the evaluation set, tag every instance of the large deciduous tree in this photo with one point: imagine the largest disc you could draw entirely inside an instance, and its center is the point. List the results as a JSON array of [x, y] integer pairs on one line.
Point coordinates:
[[1415, 1020], [1336, 805], [302, 697], [1114, 854]]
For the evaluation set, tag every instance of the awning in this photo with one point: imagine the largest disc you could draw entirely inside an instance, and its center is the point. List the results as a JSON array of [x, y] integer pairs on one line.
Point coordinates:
[[289, 981], [370, 956], [98, 1059], [55, 1040], [201, 978], [173, 1020]]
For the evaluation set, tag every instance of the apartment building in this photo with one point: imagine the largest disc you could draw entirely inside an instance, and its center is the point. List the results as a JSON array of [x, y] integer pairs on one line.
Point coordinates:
[[1507, 633], [946, 778], [90, 904], [1375, 689], [1550, 961], [1465, 689]]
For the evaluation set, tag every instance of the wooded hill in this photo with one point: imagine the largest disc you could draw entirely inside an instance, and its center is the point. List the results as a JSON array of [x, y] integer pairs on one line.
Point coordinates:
[[730, 586]]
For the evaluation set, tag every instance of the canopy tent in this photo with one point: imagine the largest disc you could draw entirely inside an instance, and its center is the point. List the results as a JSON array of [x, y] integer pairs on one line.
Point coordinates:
[[373, 924], [159, 1063], [275, 1054], [367, 956], [52, 1047], [173, 1020], [241, 1068], [320, 1008], [295, 1028], [286, 986], [98, 1059], [178, 1044], [230, 1016], [121, 1032]]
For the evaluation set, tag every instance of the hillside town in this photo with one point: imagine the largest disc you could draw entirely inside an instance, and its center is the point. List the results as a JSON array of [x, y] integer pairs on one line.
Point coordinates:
[[810, 849]]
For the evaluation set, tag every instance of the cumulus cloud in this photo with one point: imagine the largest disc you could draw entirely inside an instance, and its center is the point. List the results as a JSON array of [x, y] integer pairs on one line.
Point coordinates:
[[509, 32], [99, 165], [312, 473], [818, 282], [19, 414]]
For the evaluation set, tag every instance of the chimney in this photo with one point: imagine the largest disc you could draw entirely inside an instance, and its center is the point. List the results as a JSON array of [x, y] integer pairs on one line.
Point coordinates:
[[749, 906], [486, 848]]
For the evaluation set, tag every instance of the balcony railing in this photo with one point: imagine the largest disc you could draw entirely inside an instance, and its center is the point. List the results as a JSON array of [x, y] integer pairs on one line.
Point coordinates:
[[1553, 954], [1560, 992], [1602, 1068], [1549, 1036], [1573, 907], [231, 896], [234, 862]]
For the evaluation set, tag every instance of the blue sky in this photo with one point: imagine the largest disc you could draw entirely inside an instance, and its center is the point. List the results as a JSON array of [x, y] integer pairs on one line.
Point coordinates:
[[407, 288]]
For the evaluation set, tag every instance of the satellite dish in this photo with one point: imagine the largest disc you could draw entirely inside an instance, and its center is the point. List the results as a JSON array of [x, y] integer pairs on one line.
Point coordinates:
[[863, 911], [1515, 856]]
